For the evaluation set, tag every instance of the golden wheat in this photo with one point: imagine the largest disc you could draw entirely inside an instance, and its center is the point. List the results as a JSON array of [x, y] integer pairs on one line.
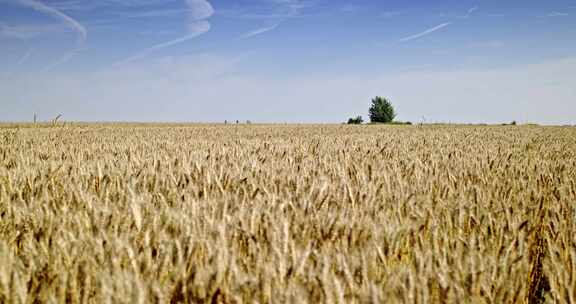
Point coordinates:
[[120, 213]]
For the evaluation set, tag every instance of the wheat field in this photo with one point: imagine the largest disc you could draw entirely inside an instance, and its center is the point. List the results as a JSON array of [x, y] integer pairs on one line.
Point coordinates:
[[127, 213]]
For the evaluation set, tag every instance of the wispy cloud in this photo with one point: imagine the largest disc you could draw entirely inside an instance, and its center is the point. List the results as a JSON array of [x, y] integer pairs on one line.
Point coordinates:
[[29, 31], [82, 33], [557, 14], [24, 57], [426, 32], [200, 9], [77, 5], [271, 10], [469, 12], [87, 5], [438, 27], [496, 15], [490, 44], [473, 9], [63, 59], [200, 28], [282, 10], [199, 12], [157, 13], [258, 31], [350, 8], [390, 14], [293, 5], [53, 12]]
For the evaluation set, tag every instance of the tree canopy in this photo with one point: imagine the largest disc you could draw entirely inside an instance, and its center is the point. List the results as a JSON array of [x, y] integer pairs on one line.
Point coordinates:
[[381, 110]]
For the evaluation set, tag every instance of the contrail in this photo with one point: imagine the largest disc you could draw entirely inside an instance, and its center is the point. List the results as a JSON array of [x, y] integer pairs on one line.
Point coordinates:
[[200, 28], [75, 25], [258, 32], [557, 14], [471, 10], [426, 32], [71, 22], [24, 57], [200, 10], [64, 58]]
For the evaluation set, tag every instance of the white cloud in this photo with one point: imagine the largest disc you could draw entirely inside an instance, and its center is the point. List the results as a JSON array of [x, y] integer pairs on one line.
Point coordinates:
[[425, 33], [198, 28], [200, 9]]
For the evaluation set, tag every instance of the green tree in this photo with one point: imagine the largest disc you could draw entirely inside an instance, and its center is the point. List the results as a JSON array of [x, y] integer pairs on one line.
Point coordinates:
[[356, 121], [381, 110]]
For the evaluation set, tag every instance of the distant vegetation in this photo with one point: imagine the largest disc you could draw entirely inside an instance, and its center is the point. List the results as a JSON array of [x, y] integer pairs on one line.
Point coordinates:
[[380, 111], [513, 123], [400, 123], [355, 121]]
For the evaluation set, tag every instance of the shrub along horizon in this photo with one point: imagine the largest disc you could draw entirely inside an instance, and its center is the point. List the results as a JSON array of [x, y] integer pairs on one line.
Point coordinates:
[[356, 121]]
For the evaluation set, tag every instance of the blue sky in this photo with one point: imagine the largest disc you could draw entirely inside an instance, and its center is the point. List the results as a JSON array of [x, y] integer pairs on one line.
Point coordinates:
[[288, 60]]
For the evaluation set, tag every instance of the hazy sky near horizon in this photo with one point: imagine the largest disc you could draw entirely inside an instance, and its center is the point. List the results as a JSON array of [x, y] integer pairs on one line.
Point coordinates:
[[288, 60]]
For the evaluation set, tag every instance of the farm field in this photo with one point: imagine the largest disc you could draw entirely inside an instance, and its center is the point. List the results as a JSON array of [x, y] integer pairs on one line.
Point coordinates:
[[152, 213]]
